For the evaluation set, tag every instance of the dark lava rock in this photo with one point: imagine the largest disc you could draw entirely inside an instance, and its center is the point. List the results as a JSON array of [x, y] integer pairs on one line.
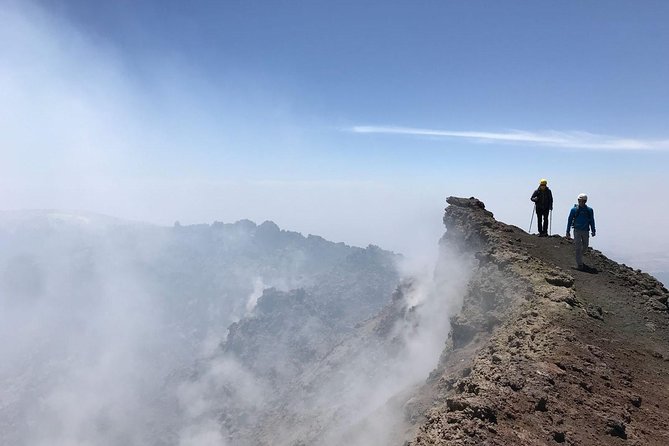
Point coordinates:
[[616, 428]]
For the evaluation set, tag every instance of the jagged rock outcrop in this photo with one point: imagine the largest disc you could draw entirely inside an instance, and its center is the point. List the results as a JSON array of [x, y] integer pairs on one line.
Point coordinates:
[[542, 353]]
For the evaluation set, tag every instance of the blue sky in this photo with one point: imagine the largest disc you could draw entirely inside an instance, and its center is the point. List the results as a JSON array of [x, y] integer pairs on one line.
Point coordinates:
[[353, 120]]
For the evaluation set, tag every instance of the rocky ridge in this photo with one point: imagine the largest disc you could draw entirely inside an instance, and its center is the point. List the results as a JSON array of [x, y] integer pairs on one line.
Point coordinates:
[[542, 353]]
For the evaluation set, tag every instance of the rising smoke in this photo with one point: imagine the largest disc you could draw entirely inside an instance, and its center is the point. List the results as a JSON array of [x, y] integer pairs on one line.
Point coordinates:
[[119, 334]]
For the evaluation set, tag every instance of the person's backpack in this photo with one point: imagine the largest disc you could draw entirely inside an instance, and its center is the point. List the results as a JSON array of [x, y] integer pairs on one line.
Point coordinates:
[[578, 210]]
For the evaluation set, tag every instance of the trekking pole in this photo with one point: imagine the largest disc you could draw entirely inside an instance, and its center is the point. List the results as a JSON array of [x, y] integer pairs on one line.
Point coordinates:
[[550, 222], [529, 231]]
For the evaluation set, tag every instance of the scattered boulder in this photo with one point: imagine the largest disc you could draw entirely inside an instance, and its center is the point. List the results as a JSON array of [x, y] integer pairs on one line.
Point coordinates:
[[595, 312], [559, 279], [616, 428]]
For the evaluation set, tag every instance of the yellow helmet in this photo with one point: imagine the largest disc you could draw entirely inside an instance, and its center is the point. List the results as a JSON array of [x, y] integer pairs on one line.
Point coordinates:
[[543, 182]]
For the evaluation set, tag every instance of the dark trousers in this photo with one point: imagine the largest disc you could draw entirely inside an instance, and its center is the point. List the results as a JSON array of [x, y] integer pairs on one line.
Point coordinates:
[[542, 221]]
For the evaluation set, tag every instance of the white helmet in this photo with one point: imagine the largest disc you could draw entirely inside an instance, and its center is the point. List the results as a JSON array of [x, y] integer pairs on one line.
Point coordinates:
[[583, 197]]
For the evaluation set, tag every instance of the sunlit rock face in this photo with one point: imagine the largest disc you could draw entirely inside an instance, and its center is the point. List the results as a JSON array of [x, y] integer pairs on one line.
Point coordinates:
[[543, 353]]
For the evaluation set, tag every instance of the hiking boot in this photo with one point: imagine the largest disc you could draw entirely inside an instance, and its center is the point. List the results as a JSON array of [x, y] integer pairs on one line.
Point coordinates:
[[581, 267]]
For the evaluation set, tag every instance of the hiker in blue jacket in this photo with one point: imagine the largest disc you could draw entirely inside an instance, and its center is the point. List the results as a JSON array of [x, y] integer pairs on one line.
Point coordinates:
[[582, 218]]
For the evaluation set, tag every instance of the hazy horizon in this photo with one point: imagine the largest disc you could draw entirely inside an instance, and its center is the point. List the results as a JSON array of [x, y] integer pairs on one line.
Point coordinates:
[[350, 121]]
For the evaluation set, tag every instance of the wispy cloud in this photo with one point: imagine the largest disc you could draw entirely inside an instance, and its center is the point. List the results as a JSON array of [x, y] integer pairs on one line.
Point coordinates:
[[552, 138]]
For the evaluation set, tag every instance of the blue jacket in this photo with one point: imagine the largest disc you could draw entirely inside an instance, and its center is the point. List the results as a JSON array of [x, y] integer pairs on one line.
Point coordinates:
[[581, 218]]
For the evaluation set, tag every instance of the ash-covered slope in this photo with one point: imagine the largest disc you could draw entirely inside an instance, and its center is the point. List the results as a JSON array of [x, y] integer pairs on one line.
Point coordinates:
[[542, 353]]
